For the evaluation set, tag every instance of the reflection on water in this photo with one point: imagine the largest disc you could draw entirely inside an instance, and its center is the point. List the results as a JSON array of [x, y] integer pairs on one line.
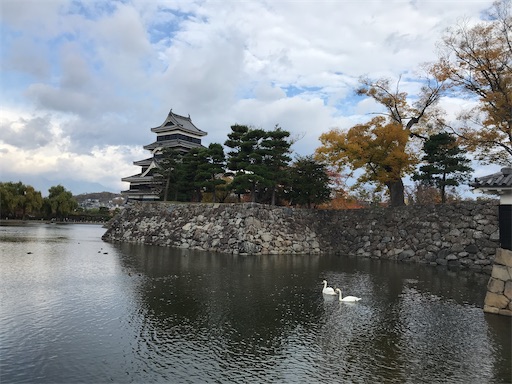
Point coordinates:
[[75, 309]]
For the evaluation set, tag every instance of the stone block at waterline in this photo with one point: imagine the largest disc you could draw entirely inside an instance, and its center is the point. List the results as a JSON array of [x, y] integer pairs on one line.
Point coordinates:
[[498, 299]]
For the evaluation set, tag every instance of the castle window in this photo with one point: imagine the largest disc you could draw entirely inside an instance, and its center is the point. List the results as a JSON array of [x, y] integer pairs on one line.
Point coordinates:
[[177, 136]]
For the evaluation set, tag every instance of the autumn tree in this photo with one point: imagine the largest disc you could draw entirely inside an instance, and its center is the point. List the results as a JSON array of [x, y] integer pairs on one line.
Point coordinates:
[[381, 147], [340, 196], [445, 164], [477, 62]]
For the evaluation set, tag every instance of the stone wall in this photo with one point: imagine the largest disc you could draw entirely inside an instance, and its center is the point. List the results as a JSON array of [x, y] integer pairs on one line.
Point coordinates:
[[229, 228], [499, 289], [460, 235]]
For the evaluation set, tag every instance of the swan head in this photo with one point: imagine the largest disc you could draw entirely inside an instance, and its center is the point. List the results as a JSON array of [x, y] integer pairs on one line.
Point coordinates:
[[337, 290], [324, 282]]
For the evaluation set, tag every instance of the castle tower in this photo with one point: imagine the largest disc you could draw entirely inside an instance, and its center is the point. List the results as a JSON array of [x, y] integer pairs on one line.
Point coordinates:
[[176, 132]]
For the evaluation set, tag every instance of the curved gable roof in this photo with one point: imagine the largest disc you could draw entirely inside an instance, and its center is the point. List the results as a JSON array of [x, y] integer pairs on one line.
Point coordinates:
[[497, 181], [175, 121]]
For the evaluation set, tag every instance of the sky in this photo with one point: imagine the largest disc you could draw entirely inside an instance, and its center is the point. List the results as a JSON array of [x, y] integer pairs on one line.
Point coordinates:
[[83, 82]]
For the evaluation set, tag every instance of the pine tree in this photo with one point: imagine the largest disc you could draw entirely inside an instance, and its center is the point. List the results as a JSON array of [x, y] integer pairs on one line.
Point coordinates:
[[190, 188], [246, 159], [445, 165], [169, 163], [276, 147], [309, 182], [208, 172]]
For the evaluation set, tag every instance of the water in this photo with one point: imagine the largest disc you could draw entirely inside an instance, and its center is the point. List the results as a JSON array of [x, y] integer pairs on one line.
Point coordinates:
[[76, 309]]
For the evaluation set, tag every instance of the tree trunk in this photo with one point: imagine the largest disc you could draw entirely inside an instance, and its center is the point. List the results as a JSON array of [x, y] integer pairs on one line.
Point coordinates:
[[166, 190], [443, 189], [396, 193]]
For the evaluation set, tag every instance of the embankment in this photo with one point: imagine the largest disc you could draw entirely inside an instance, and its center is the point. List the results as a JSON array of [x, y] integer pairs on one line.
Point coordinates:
[[461, 235]]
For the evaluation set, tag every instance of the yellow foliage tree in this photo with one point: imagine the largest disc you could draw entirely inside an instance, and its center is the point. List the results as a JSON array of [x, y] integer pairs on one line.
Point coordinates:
[[381, 147], [477, 61]]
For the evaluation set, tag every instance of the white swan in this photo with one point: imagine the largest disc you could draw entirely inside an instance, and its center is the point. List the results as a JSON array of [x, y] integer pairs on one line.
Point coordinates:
[[346, 298], [327, 290]]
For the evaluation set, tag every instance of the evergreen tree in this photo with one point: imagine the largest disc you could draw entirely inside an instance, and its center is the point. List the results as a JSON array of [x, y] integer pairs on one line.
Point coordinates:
[[189, 188], [309, 182], [276, 149], [208, 173], [169, 163], [259, 160], [246, 159], [445, 165]]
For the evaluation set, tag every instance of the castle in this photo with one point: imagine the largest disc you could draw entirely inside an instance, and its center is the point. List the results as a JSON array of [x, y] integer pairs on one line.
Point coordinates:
[[176, 132]]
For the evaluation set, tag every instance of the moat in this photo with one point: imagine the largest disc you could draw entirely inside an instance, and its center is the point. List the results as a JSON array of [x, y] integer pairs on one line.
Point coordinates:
[[77, 309]]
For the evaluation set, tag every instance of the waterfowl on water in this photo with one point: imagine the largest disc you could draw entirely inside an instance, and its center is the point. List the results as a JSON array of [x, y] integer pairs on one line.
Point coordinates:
[[346, 298], [327, 290]]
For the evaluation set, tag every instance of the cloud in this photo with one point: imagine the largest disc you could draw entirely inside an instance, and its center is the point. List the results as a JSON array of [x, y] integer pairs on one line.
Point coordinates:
[[88, 79], [33, 16], [27, 133]]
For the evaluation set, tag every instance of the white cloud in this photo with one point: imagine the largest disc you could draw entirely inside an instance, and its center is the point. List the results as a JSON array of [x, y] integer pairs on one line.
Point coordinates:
[[86, 80]]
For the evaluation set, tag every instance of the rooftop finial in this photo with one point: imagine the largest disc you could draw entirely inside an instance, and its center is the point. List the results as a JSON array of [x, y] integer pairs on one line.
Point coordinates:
[[170, 112]]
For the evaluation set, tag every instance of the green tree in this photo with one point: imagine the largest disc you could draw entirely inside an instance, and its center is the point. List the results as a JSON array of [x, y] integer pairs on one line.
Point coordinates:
[[259, 160], [189, 187], [8, 201], [18, 200], [210, 172], [309, 182], [32, 201], [476, 61], [169, 163], [276, 150], [246, 159], [60, 202], [445, 165]]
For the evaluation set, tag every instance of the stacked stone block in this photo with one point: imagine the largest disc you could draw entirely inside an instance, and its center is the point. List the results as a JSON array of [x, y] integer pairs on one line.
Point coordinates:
[[499, 289], [463, 235]]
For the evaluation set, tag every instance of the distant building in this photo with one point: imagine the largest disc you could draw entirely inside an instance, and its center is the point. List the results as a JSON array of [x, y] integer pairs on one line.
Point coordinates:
[[176, 132], [500, 184]]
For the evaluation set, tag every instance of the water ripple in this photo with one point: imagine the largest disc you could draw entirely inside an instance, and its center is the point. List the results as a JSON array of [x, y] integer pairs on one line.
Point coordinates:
[[146, 314]]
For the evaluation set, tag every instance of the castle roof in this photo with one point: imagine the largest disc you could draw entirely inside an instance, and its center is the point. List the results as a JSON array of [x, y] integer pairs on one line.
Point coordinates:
[[144, 163], [495, 183], [176, 144], [175, 121]]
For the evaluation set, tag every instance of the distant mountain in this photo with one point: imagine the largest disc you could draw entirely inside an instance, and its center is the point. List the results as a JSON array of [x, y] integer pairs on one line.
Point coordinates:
[[102, 197], [42, 183]]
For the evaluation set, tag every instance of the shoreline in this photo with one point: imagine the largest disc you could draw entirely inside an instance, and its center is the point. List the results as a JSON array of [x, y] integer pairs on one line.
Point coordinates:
[[49, 222]]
